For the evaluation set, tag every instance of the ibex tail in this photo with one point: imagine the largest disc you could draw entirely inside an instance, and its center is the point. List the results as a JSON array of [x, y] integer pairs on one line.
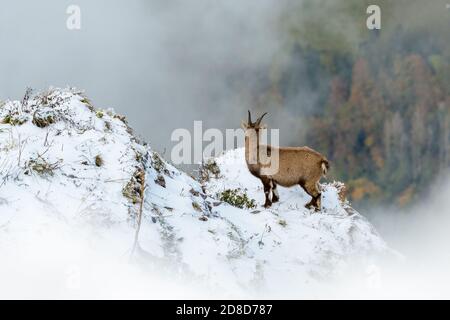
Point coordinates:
[[325, 167]]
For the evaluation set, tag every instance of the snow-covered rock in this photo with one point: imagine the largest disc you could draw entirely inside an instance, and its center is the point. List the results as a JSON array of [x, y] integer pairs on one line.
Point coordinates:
[[71, 183]]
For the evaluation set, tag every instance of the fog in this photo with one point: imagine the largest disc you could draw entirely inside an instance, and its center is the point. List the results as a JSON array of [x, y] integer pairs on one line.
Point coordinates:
[[163, 64], [420, 235], [419, 231], [50, 258]]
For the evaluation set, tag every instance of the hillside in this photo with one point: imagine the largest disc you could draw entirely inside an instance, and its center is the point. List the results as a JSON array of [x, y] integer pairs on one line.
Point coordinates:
[[75, 179]]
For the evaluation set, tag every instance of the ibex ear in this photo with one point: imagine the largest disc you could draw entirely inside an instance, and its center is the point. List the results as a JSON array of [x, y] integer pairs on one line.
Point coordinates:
[[244, 125], [263, 126]]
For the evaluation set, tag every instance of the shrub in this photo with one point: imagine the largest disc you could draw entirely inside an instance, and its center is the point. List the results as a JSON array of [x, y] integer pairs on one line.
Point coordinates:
[[282, 223], [209, 169], [42, 166], [88, 103], [14, 120], [133, 189], [99, 114], [158, 163], [43, 118], [196, 206], [108, 125], [237, 198], [121, 118], [160, 180]]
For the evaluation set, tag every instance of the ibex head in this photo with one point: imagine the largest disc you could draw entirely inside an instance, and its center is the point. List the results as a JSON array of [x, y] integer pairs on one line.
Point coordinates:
[[253, 125]]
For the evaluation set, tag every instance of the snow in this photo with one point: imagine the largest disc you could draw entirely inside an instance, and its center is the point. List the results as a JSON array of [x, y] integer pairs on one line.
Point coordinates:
[[74, 216]]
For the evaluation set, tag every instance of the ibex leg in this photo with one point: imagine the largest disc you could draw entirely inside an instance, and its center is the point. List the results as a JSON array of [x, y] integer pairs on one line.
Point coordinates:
[[275, 195], [267, 192], [313, 191]]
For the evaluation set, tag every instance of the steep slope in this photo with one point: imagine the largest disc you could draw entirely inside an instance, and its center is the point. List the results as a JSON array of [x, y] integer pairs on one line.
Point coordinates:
[[75, 181]]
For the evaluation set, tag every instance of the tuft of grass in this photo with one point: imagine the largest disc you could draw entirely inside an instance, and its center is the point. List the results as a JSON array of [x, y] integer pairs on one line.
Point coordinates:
[[43, 119], [27, 96], [158, 163], [42, 166], [237, 198], [88, 103], [160, 180], [108, 126], [282, 223], [132, 189], [46, 96], [209, 169], [138, 156], [196, 206], [14, 120], [129, 191], [99, 114], [7, 119], [99, 160], [121, 118]]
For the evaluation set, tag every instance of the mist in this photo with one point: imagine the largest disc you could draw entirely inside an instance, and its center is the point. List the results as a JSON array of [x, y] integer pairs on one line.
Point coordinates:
[[420, 235], [51, 258], [165, 64], [162, 64]]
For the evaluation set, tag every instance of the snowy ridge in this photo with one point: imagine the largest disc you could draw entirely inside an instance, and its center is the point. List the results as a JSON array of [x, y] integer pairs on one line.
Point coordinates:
[[62, 160]]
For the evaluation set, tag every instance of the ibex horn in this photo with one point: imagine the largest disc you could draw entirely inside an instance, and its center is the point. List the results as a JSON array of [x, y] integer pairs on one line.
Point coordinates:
[[258, 122], [249, 118]]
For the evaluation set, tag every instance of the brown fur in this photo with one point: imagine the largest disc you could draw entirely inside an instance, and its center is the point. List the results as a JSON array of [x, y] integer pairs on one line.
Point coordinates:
[[297, 166]]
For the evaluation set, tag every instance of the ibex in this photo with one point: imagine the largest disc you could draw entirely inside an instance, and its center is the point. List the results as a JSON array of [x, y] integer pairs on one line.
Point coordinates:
[[296, 166]]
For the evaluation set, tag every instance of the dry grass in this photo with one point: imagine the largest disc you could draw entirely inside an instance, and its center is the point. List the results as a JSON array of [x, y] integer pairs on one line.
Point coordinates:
[[43, 119], [208, 169], [99, 161], [42, 167], [132, 190]]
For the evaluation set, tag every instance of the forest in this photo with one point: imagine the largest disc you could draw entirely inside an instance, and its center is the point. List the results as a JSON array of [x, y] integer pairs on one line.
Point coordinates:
[[377, 102]]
